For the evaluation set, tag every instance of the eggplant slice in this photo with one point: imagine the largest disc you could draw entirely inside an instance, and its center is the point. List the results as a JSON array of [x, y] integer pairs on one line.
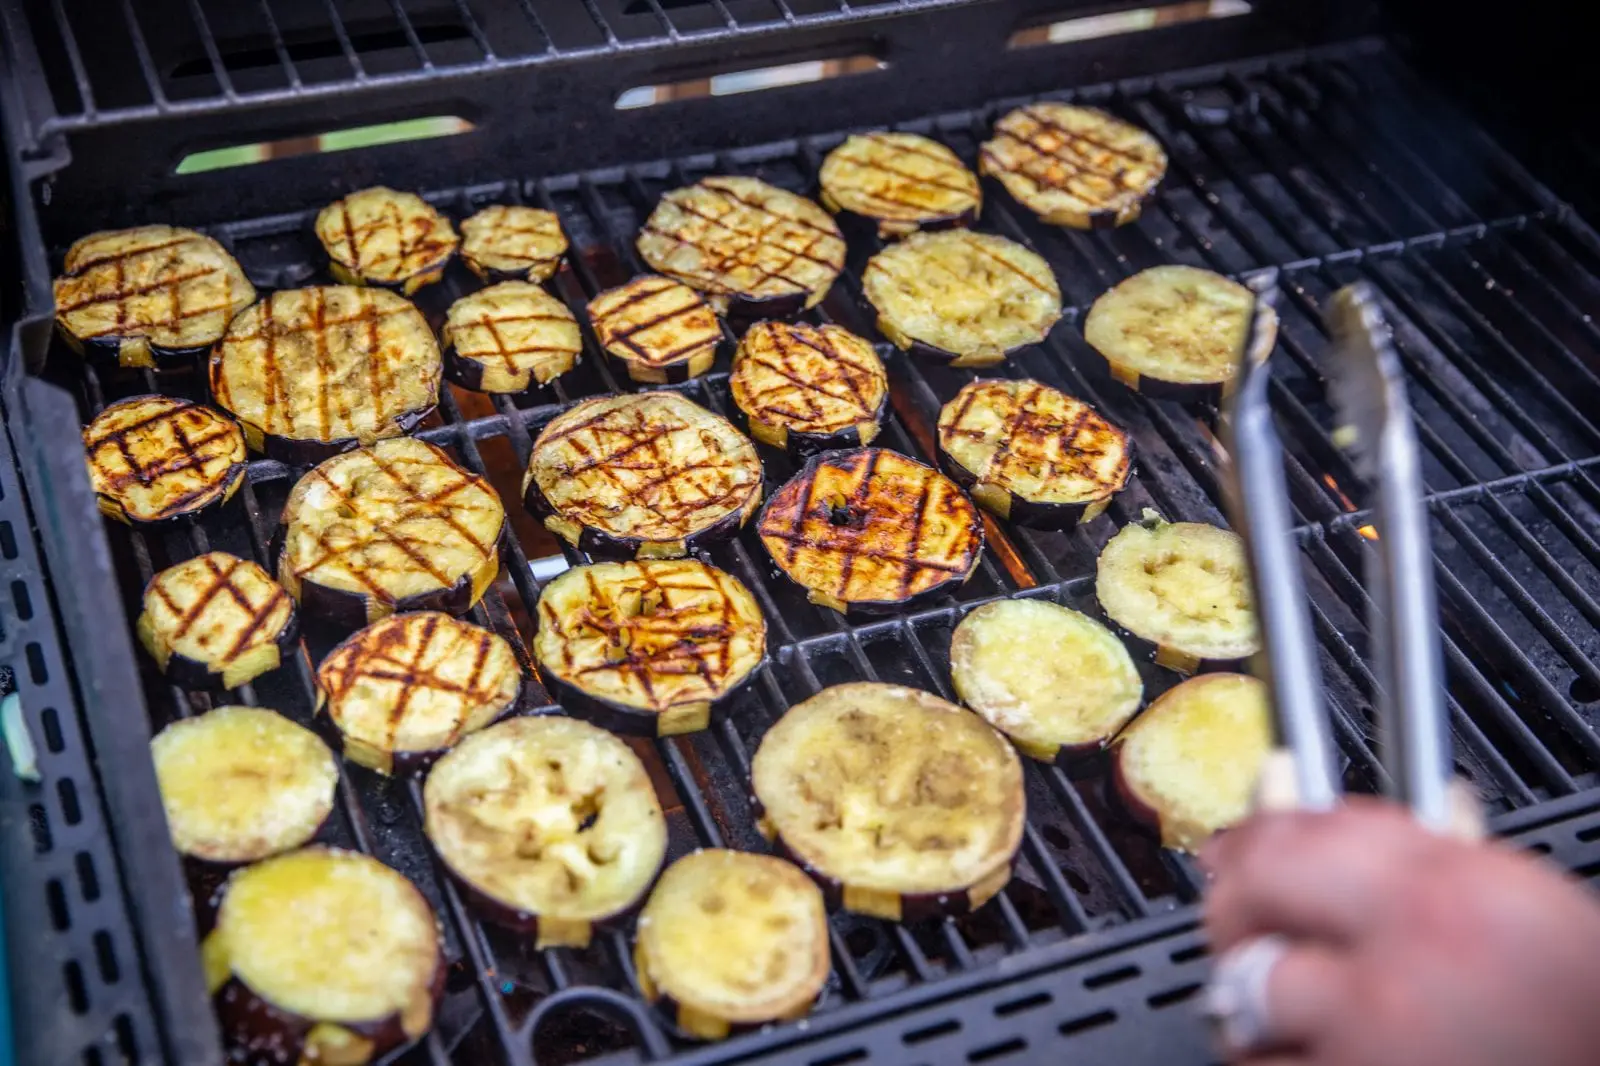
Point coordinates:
[[509, 337], [1182, 589], [242, 783], [901, 181], [394, 527], [648, 647], [148, 296], [1055, 681], [378, 236], [314, 372], [964, 298], [753, 249], [729, 940], [661, 329], [322, 956], [899, 804], [652, 476], [156, 458], [805, 388], [1033, 454], [1175, 332], [1074, 166], [1188, 765], [505, 243], [870, 530], [216, 619], [549, 824]]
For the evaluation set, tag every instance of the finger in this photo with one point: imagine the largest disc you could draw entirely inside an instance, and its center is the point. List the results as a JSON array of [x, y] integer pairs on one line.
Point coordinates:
[[1307, 996]]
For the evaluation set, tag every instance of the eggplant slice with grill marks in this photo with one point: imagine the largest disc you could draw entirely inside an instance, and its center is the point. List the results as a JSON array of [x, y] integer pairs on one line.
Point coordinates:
[[662, 330], [652, 476], [870, 530], [903, 182], [149, 296], [730, 940], [156, 458], [549, 824], [1074, 166], [754, 250], [806, 388], [510, 243], [378, 236], [963, 298], [394, 527], [313, 372], [322, 956], [509, 337], [648, 647], [899, 804], [216, 619], [1033, 454]]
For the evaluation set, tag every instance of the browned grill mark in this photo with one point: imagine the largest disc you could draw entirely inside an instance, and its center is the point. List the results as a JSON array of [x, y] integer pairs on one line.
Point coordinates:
[[184, 454], [1078, 163], [1022, 439], [501, 350], [423, 246], [912, 178], [83, 265], [626, 335], [172, 286], [122, 293], [978, 247]]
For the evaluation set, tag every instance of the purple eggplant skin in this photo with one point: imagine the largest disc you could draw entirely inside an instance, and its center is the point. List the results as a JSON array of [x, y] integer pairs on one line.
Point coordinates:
[[1205, 393], [1140, 648], [114, 510], [619, 717], [198, 677], [745, 311], [671, 374], [296, 452], [517, 920], [401, 763], [468, 373], [802, 446], [960, 220], [597, 544], [1056, 516], [1140, 812], [924, 350], [667, 1008], [105, 354], [494, 275]]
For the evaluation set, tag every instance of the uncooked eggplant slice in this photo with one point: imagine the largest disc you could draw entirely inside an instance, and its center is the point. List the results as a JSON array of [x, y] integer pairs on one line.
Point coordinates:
[[216, 619], [903, 182], [806, 388], [549, 824], [1074, 166], [322, 956], [899, 804], [155, 458], [509, 337], [510, 243], [378, 236], [1188, 765], [729, 940], [662, 330]]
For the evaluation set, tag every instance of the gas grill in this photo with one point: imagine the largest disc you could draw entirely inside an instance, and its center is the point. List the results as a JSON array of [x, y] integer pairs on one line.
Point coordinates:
[[1304, 139]]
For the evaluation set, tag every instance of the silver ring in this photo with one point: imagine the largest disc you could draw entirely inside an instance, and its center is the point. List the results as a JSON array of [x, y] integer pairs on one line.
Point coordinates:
[[1236, 996]]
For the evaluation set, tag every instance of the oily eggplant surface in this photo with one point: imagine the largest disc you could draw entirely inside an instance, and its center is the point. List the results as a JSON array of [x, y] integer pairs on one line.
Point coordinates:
[[508, 338], [902, 182], [662, 330], [378, 236], [505, 242], [216, 619], [153, 459], [806, 388]]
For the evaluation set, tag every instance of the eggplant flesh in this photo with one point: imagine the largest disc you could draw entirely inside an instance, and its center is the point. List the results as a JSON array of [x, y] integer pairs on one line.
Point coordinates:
[[662, 330], [510, 337], [805, 388], [216, 619], [505, 242], [153, 459], [902, 182], [378, 236]]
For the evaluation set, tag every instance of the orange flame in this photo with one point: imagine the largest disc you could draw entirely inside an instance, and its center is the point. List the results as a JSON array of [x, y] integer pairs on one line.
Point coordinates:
[[1369, 532]]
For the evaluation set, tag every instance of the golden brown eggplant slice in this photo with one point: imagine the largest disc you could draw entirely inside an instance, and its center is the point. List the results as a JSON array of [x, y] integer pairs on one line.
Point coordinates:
[[662, 330], [509, 243], [156, 458], [509, 337], [903, 182], [1074, 166], [216, 619], [807, 388], [378, 236]]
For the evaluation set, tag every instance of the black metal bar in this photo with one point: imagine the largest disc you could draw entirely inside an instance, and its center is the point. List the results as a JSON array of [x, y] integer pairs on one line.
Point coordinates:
[[289, 69], [410, 31], [147, 66], [69, 40], [219, 69]]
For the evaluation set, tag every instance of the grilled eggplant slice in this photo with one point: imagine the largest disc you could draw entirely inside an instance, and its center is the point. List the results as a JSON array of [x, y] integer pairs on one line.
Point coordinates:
[[149, 296], [378, 236], [509, 337], [1074, 166], [394, 527], [322, 956], [314, 372], [903, 182], [1055, 681], [871, 531], [1174, 332], [964, 298], [1033, 454], [216, 619], [1189, 764], [807, 388], [651, 476], [156, 458], [1181, 590], [508, 243], [242, 783], [549, 825], [661, 329], [754, 250], [648, 647], [899, 804], [729, 940]]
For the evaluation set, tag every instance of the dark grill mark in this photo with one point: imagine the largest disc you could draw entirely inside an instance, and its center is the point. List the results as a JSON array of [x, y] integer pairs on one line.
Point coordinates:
[[1020, 444], [1073, 154], [177, 278], [628, 333], [155, 448], [884, 162], [423, 239]]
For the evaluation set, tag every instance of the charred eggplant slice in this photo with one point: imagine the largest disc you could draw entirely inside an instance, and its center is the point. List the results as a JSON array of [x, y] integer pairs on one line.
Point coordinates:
[[148, 296], [1074, 166], [314, 372], [648, 647], [509, 337], [729, 940], [322, 956], [964, 298], [156, 458], [1055, 681], [662, 330], [806, 388], [1182, 589], [899, 804], [509, 243], [754, 250], [549, 824], [903, 182], [216, 619], [870, 530], [242, 783], [378, 236], [651, 476], [1188, 765], [394, 527], [1033, 454]]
